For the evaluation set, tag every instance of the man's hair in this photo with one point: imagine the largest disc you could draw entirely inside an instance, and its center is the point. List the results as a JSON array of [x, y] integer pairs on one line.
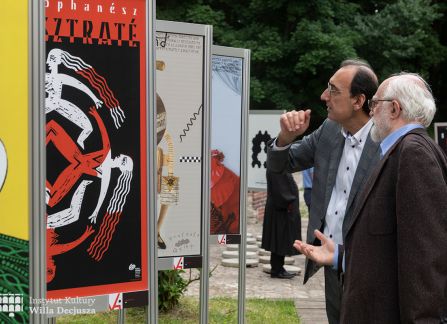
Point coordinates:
[[364, 81], [414, 95]]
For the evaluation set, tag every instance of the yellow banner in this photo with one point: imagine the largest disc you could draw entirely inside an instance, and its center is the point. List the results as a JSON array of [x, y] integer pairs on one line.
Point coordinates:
[[14, 157]]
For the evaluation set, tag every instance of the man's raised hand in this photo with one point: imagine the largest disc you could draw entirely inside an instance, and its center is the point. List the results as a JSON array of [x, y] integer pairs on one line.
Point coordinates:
[[293, 123]]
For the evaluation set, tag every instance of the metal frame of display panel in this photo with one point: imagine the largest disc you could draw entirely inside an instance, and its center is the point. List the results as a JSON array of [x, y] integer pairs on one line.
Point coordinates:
[[37, 275], [152, 309], [242, 254]]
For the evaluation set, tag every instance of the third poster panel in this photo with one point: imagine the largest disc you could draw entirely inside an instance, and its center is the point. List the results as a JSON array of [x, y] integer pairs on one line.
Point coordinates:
[[226, 123]]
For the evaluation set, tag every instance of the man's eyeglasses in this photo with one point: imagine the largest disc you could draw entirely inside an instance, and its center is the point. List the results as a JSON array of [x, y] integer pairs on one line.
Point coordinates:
[[372, 103], [332, 90]]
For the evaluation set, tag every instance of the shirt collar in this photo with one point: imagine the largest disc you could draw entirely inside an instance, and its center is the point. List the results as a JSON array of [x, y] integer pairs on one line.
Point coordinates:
[[394, 136], [361, 135]]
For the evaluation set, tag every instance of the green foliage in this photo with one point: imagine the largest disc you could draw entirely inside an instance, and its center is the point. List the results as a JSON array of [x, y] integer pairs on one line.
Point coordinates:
[[297, 45], [400, 37], [171, 287]]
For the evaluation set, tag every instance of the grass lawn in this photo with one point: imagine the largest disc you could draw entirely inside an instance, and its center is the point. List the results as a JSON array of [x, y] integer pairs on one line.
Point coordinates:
[[221, 310]]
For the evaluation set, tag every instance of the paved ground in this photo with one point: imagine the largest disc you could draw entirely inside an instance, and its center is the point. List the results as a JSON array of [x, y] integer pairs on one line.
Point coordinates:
[[309, 298]]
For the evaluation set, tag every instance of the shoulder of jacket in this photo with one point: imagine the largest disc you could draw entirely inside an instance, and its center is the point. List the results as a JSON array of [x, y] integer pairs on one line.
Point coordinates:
[[412, 139], [330, 126], [413, 142]]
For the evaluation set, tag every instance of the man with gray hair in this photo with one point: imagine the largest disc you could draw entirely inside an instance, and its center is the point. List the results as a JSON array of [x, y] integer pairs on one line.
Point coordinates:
[[395, 264]]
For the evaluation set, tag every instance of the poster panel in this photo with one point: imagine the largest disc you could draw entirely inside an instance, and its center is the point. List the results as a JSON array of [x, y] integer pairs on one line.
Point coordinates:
[[14, 163], [180, 75], [96, 132], [441, 135], [226, 127], [263, 125]]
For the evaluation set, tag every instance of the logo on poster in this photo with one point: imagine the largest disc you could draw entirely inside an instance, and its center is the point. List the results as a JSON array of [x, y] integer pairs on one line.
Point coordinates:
[[116, 301], [222, 239], [11, 304], [179, 263], [133, 267]]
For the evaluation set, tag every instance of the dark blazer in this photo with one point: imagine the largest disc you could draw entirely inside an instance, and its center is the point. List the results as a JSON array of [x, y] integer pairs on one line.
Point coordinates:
[[322, 150], [282, 218], [396, 241]]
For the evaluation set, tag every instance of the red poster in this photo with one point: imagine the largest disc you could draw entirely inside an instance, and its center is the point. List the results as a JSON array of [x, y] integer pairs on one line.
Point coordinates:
[[95, 84]]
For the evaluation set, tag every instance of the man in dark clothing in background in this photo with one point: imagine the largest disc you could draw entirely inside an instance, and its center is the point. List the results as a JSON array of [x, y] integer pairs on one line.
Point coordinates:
[[282, 221]]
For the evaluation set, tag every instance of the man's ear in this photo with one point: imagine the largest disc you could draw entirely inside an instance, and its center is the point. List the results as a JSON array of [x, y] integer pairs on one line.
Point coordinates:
[[396, 110], [359, 100]]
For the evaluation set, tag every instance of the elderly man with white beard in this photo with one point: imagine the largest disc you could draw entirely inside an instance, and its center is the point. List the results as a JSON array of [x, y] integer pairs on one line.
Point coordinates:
[[394, 260]]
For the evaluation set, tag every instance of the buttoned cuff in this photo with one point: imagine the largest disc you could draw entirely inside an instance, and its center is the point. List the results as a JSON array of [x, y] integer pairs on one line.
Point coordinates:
[[279, 148]]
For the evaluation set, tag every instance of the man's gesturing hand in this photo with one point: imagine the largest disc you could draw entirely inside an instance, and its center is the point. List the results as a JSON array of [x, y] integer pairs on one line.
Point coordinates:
[[293, 124], [323, 255]]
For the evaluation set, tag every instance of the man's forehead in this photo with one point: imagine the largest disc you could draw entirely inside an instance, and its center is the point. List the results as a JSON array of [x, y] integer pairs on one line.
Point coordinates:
[[382, 87], [343, 76]]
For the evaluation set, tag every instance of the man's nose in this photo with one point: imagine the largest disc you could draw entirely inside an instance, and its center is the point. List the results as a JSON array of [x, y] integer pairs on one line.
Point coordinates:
[[325, 95]]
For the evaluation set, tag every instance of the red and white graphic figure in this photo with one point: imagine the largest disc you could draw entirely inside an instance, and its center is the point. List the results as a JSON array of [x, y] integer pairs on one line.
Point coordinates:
[[98, 164], [54, 82], [71, 214], [55, 248], [80, 163], [3, 164]]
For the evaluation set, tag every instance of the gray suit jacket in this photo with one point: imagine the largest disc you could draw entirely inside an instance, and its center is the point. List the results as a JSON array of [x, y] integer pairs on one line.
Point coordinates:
[[322, 150]]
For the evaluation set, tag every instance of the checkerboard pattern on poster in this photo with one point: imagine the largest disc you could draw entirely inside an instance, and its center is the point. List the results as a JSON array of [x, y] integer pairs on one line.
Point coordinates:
[[190, 159]]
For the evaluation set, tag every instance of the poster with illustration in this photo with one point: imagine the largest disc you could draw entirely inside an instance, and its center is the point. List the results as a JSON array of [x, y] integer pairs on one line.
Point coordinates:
[[263, 126], [441, 135], [180, 126], [95, 107], [226, 126], [14, 163]]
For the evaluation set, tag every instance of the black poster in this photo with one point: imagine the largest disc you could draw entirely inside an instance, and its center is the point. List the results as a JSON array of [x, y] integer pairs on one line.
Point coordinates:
[[95, 139]]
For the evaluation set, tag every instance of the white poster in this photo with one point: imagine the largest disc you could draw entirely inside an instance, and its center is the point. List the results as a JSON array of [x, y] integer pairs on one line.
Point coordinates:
[[180, 89], [226, 124], [263, 125]]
